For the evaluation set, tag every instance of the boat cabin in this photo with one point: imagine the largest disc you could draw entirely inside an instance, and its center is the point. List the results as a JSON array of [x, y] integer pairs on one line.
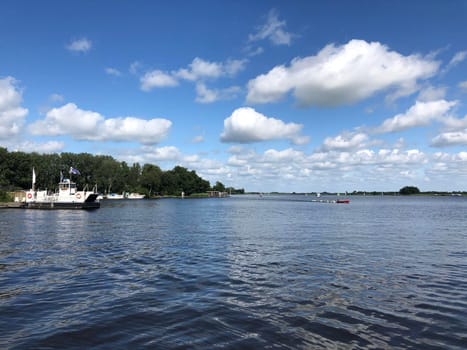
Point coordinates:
[[67, 186]]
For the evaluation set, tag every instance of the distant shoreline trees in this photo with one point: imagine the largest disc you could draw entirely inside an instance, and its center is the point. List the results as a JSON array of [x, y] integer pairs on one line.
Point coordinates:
[[109, 174], [409, 190]]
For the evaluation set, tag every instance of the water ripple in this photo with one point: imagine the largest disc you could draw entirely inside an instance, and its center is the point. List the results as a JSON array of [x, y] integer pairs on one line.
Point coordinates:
[[236, 273]]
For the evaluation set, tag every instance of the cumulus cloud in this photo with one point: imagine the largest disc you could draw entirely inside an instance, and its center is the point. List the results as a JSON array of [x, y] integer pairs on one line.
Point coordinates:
[[454, 138], [92, 126], [420, 114], [68, 119], [134, 129], [275, 166], [449, 166], [449, 157], [12, 115], [245, 125], [81, 45], [273, 30], [157, 78], [198, 70], [287, 155], [168, 153], [48, 147], [345, 142], [344, 74]]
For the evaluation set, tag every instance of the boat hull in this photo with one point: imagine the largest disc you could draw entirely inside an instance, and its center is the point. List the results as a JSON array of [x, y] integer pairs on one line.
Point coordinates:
[[62, 205], [343, 201]]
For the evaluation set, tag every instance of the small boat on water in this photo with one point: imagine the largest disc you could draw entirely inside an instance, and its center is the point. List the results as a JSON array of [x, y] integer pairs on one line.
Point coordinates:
[[114, 196], [124, 195], [343, 201], [135, 196], [67, 197]]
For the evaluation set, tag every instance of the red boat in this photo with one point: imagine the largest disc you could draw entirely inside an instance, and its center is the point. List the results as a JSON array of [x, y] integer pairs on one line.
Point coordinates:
[[343, 201]]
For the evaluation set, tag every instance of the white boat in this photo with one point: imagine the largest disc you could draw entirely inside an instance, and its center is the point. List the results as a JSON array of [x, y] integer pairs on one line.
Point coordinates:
[[135, 196], [67, 197], [114, 196]]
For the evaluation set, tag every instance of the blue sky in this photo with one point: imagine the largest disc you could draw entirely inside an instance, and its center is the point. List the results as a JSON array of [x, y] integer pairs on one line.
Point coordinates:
[[262, 95]]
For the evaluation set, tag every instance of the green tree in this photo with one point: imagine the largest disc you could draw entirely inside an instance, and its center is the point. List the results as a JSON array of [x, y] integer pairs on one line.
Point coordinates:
[[219, 186], [104, 171], [408, 190], [151, 178]]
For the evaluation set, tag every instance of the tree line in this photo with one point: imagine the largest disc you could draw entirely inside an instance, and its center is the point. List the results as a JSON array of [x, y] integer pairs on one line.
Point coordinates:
[[110, 175]]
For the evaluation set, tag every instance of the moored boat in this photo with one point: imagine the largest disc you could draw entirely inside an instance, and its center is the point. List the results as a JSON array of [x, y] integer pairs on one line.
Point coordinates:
[[114, 196], [67, 197], [135, 196]]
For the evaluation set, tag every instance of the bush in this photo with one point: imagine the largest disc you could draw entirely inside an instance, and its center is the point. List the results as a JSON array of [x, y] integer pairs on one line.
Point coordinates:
[[5, 197]]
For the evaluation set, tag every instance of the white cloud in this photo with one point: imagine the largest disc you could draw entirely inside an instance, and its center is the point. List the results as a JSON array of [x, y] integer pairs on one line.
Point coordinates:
[[454, 124], [47, 147], [198, 139], [168, 153], [80, 45], [454, 138], [89, 125], [245, 125], [273, 30], [206, 95], [68, 119], [449, 157], [135, 67], [420, 114], [253, 51], [451, 167], [134, 129], [198, 71], [273, 169], [12, 115], [157, 78], [56, 98], [342, 75], [431, 93], [288, 155], [113, 71], [463, 85], [458, 58], [345, 142]]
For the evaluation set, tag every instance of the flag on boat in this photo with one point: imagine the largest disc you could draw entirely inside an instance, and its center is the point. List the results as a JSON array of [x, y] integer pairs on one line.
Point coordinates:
[[74, 171]]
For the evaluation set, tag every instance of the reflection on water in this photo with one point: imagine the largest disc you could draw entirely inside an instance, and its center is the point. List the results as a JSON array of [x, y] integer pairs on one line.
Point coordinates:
[[240, 272]]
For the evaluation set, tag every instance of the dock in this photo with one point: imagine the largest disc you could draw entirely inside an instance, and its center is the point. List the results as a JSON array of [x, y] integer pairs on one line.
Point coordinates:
[[12, 205]]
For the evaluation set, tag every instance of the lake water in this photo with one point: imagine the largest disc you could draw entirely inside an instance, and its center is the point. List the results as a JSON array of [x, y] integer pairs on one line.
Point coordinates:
[[242, 272]]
